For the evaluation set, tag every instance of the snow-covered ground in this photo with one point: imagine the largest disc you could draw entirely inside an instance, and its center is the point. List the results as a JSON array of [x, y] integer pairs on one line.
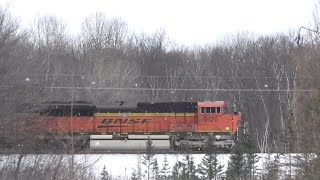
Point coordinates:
[[124, 164]]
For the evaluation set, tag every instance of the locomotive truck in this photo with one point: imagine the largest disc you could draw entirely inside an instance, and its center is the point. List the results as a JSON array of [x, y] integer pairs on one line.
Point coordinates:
[[171, 126]]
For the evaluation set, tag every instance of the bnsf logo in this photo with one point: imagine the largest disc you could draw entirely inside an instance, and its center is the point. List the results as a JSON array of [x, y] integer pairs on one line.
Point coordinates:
[[110, 122]]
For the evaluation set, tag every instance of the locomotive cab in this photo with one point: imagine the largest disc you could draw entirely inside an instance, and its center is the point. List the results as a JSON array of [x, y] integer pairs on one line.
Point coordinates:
[[213, 117]]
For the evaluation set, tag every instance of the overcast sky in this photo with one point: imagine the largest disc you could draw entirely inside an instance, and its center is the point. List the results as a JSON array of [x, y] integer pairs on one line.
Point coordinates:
[[186, 21]]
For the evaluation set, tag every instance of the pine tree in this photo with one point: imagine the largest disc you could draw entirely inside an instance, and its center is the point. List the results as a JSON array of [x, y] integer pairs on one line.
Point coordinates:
[[176, 171], [273, 169], [236, 170], [251, 158], [185, 169], [134, 175], [137, 174], [243, 166], [139, 168], [155, 170], [307, 166], [104, 175], [188, 168], [209, 169], [147, 159], [164, 172], [250, 168]]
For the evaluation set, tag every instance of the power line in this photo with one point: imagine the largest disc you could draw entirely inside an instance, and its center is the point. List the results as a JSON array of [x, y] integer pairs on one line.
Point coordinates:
[[173, 90], [183, 89], [168, 76]]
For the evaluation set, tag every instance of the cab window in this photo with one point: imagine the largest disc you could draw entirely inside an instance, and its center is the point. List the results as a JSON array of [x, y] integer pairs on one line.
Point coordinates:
[[211, 110], [205, 110], [218, 110]]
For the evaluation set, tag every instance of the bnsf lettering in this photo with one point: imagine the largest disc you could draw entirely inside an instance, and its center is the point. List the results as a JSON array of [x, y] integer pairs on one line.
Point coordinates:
[[124, 121], [121, 121], [106, 121]]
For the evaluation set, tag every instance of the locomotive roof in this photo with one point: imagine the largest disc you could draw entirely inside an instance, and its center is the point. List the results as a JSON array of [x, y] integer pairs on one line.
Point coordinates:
[[86, 108], [212, 103]]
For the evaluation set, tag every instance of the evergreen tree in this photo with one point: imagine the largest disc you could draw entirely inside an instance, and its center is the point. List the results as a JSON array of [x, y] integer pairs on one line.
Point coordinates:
[[137, 174], [250, 158], [209, 169], [176, 171], [188, 168], [236, 165], [147, 159], [243, 166], [134, 175], [164, 172], [273, 169], [104, 175], [155, 170], [139, 168], [250, 168], [307, 166]]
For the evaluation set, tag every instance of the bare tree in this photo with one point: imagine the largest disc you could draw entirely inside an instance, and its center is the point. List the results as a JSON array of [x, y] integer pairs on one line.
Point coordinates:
[[203, 73], [100, 33], [36, 167], [12, 52], [175, 80], [106, 60], [153, 85]]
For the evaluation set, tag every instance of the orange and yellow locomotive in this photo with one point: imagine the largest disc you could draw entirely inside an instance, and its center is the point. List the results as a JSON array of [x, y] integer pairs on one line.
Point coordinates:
[[170, 126]]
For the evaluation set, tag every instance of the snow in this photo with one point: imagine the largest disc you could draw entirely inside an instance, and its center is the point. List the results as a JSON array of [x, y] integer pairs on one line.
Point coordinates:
[[122, 165]]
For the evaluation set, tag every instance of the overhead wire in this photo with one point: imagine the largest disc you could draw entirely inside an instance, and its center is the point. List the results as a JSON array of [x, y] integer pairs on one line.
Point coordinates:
[[83, 77], [173, 89], [168, 76]]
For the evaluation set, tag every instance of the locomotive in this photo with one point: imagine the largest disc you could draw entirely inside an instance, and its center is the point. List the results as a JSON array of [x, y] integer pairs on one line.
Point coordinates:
[[174, 126]]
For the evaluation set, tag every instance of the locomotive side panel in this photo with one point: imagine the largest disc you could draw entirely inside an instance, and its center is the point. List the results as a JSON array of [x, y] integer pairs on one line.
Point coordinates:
[[145, 123], [83, 124], [227, 123], [31, 124]]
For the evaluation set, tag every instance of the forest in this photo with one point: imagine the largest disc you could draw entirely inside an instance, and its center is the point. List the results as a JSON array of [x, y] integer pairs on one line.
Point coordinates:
[[273, 80]]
